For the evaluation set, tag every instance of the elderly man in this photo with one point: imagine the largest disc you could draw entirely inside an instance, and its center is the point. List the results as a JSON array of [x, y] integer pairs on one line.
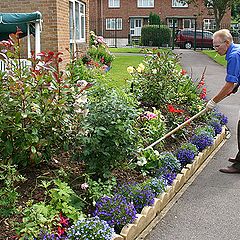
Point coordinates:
[[223, 44]]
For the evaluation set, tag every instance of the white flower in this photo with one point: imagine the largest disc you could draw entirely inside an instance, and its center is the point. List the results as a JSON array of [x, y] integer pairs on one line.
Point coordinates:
[[156, 152], [154, 71], [130, 69], [142, 161]]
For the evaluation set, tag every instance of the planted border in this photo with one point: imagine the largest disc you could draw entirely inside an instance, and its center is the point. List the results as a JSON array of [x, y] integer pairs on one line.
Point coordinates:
[[148, 213]]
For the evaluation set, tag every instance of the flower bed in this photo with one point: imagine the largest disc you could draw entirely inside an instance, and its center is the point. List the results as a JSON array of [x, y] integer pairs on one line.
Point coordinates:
[[81, 145]]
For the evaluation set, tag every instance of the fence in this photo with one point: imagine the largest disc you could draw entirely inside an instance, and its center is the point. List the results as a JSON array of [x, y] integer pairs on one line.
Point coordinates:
[[120, 32], [23, 62]]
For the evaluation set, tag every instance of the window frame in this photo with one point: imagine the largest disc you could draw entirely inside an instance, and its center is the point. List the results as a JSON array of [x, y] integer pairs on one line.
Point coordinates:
[[145, 6], [117, 24], [174, 5], [111, 4], [209, 24], [81, 21]]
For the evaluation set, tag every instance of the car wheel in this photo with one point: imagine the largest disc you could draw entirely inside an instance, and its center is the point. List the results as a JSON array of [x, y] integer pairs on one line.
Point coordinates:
[[188, 45]]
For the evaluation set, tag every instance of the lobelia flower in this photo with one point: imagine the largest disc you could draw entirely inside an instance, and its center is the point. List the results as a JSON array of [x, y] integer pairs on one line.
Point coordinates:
[[185, 156], [202, 141]]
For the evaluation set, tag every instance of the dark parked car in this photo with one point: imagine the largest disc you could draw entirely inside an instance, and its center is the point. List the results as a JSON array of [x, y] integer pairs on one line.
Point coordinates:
[[185, 38]]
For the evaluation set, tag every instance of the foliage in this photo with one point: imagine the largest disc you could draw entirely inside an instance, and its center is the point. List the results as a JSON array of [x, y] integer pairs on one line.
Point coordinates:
[[157, 185], [8, 194], [90, 228], [151, 126], [116, 211], [154, 19], [99, 188], [159, 82], [207, 130], [110, 136], [98, 50], [155, 35], [139, 194], [40, 109], [221, 117], [47, 216]]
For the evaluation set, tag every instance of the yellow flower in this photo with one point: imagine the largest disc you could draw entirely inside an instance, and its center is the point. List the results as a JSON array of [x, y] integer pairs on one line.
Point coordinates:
[[141, 66], [130, 69]]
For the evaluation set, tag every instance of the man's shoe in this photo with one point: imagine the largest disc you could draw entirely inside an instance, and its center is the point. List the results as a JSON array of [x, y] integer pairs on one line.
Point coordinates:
[[233, 160], [229, 169]]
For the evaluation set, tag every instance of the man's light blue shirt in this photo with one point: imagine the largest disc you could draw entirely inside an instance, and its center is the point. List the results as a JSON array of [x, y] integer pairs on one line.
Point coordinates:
[[233, 63]]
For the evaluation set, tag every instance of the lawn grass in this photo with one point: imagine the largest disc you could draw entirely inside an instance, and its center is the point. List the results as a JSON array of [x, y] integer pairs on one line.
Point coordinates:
[[118, 73], [216, 57], [134, 49], [126, 50]]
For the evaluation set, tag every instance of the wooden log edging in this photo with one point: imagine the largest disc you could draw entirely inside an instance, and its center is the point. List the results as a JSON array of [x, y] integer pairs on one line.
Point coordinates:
[[148, 213]]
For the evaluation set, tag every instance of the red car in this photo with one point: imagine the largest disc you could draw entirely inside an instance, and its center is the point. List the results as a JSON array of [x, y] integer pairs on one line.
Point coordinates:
[[185, 38]]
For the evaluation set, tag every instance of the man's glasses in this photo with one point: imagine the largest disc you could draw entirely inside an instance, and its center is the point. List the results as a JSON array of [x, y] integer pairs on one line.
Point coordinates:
[[217, 46]]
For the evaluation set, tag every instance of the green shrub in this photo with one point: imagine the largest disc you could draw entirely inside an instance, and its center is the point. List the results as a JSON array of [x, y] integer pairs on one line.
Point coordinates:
[[155, 35], [39, 108], [110, 136]]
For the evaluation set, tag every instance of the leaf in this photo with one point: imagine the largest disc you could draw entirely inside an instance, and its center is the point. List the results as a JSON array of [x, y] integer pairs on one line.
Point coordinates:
[[33, 149]]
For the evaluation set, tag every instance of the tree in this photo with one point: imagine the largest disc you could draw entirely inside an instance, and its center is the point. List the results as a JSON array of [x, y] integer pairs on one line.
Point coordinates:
[[216, 7], [154, 19], [235, 12]]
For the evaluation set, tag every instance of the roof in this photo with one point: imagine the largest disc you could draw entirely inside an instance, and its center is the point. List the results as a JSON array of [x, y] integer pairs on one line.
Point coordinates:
[[10, 21]]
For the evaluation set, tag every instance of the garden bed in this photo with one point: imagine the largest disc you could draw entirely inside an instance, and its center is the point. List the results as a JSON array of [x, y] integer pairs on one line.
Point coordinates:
[[74, 156]]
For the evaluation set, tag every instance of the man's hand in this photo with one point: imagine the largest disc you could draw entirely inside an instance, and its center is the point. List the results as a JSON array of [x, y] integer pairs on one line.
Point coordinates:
[[211, 104]]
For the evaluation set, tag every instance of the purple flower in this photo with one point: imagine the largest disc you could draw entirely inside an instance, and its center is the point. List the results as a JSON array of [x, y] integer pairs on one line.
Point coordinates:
[[116, 211], [217, 126], [140, 195], [185, 156], [202, 141]]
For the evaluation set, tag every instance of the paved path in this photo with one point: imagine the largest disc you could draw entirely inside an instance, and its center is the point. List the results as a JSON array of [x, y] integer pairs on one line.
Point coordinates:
[[210, 208]]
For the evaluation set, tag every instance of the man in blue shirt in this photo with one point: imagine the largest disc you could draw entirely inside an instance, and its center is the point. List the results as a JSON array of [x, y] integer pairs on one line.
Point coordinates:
[[223, 44]]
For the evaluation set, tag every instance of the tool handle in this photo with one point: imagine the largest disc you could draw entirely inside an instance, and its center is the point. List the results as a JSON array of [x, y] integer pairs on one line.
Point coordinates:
[[176, 129]]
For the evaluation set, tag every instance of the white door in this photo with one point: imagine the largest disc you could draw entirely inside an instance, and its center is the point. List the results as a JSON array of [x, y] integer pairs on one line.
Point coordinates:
[[135, 27]]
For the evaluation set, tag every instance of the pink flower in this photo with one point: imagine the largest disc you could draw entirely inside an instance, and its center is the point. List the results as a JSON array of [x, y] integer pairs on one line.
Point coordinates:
[[151, 115], [84, 186]]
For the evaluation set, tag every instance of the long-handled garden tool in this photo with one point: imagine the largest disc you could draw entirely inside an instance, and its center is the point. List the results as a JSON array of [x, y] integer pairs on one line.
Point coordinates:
[[177, 128]]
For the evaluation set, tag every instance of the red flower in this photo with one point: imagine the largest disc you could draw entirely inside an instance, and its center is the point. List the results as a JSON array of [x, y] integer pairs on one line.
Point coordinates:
[[173, 110], [63, 220], [60, 231], [183, 72]]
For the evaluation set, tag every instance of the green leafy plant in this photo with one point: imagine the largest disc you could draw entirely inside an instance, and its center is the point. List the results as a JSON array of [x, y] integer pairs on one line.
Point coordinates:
[[46, 215], [40, 109], [8, 191], [110, 137]]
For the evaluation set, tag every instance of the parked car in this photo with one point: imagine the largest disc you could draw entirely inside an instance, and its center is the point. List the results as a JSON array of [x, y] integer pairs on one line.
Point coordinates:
[[185, 38]]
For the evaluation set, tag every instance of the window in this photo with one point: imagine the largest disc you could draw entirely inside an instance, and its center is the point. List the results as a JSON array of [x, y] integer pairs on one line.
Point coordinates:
[[179, 3], [145, 3], [77, 21], [113, 23], [114, 3], [209, 24], [170, 23]]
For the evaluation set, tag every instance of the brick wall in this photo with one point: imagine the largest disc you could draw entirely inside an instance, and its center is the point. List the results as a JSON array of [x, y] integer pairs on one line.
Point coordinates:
[[55, 27], [163, 8]]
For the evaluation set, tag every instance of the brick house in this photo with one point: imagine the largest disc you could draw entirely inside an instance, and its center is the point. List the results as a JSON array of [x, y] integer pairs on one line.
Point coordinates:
[[65, 22], [119, 21]]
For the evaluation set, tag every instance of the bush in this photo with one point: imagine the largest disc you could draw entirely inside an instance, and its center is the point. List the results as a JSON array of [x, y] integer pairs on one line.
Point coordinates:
[[116, 211], [38, 109], [91, 228], [109, 135], [155, 35]]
